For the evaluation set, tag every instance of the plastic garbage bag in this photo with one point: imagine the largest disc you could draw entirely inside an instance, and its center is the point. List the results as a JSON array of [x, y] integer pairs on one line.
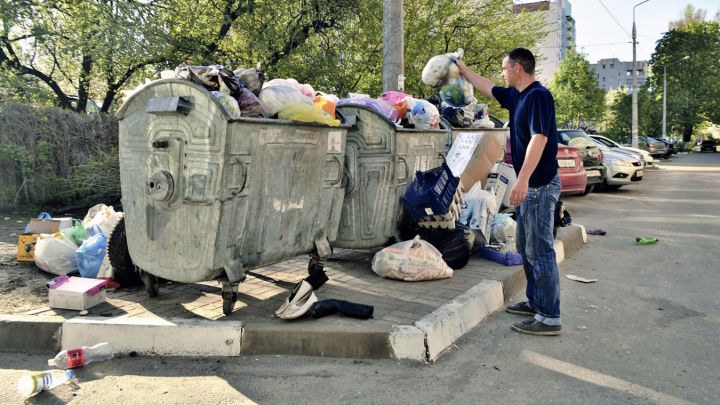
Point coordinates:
[[454, 244], [475, 211], [424, 115], [379, 106], [77, 233], [274, 98], [440, 69], [103, 216], [502, 228], [55, 254], [397, 100], [213, 78], [413, 260], [91, 253], [307, 113], [250, 105], [327, 105], [454, 116], [252, 79], [458, 93], [305, 89], [229, 103]]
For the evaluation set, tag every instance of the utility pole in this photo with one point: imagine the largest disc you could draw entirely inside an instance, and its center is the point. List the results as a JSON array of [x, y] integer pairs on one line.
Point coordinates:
[[393, 46], [634, 83]]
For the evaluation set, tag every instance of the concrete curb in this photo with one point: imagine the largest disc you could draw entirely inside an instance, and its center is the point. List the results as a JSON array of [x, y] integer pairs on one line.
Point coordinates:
[[452, 320], [426, 340]]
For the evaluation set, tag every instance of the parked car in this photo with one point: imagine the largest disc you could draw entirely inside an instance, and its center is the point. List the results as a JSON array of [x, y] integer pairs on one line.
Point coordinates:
[[591, 154], [672, 150], [622, 168], [656, 147], [573, 178], [647, 157], [710, 144]]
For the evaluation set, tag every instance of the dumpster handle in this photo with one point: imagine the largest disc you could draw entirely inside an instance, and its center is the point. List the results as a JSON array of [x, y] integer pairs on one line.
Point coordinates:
[[407, 170], [340, 172]]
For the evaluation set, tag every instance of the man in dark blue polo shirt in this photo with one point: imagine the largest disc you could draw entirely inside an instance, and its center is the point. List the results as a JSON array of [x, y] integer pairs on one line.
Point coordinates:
[[533, 132]]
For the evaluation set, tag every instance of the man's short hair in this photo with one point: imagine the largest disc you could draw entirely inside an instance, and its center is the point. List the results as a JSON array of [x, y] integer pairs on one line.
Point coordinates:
[[524, 57]]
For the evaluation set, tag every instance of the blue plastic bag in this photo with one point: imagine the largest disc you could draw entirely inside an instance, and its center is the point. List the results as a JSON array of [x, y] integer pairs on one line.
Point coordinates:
[[91, 253]]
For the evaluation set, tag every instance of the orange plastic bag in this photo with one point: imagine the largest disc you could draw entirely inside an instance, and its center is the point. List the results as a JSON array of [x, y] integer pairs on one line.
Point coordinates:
[[327, 105]]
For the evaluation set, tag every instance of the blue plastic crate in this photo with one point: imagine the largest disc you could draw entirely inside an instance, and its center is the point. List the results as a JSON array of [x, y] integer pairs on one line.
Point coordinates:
[[507, 258], [431, 192]]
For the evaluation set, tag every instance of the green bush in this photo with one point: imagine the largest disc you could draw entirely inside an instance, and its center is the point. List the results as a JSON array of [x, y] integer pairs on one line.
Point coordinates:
[[56, 158]]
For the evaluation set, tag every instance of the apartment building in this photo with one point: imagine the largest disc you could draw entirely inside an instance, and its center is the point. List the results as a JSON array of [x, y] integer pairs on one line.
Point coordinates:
[[612, 74]]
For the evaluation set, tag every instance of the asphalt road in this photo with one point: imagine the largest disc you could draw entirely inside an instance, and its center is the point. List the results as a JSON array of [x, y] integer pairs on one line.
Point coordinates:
[[647, 332]]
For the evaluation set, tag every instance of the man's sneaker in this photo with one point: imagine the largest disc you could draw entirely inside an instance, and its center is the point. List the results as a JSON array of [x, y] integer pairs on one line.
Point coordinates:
[[521, 308], [533, 327]]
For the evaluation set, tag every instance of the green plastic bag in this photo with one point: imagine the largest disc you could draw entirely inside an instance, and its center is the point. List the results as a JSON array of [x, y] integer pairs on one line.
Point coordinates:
[[77, 234]]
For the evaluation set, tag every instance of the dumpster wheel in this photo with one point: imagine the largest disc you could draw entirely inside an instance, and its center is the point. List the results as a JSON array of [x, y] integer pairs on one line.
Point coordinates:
[[125, 272]]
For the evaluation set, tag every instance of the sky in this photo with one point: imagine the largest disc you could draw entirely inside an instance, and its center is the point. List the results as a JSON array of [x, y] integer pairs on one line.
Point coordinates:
[[595, 27]]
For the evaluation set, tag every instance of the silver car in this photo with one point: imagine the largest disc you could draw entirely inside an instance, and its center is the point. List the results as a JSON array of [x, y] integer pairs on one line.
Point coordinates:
[[622, 169], [646, 156]]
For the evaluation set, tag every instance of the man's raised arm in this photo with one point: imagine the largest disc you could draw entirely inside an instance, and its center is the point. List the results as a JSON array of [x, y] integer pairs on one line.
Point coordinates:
[[484, 85]]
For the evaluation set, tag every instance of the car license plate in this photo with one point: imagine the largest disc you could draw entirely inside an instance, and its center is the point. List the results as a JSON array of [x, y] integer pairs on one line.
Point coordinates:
[[593, 173], [717, 149], [566, 163], [639, 173]]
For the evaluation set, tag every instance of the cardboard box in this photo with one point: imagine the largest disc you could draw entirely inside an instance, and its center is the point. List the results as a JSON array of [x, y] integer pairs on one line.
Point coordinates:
[[473, 154], [77, 293], [53, 225], [502, 175], [26, 247]]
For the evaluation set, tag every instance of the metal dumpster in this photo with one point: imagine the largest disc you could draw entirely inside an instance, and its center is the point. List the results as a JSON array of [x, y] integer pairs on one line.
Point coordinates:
[[381, 161], [206, 197]]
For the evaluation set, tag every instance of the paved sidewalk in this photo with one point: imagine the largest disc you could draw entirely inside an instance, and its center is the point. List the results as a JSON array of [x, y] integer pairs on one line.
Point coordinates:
[[415, 320]]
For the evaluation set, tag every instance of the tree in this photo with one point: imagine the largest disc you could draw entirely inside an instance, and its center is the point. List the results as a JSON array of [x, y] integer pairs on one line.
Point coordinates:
[[578, 99], [618, 114], [693, 92]]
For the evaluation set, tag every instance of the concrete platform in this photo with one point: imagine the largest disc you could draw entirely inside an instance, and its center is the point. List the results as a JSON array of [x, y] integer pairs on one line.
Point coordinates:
[[412, 320]]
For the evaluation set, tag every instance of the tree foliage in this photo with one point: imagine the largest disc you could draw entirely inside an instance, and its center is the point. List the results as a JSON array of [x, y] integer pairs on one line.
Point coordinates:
[[91, 50], [578, 99], [693, 91]]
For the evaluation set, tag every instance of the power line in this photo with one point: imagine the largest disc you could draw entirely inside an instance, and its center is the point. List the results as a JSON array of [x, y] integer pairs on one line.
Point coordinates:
[[616, 21]]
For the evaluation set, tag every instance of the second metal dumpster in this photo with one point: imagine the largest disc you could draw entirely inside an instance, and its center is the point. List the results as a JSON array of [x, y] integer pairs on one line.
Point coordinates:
[[381, 161]]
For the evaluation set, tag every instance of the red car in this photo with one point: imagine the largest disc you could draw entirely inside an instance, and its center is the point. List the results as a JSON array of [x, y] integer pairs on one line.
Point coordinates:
[[570, 167]]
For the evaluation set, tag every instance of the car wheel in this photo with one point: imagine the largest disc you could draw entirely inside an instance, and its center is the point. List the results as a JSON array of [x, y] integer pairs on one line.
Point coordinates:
[[588, 189], [612, 187]]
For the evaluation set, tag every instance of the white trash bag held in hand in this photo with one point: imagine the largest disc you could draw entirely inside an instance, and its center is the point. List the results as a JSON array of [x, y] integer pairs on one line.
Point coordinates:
[[412, 260]]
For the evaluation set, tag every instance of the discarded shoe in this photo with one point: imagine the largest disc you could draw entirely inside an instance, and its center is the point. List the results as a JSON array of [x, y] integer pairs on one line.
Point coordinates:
[[646, 241], [521, 308], [533, 327], [298, 302]]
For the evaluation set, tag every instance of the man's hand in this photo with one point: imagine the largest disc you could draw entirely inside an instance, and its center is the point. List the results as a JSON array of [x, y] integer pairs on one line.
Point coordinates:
[[518, 192]]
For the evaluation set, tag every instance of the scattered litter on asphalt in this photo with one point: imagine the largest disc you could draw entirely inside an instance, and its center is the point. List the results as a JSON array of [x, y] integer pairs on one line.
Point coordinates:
[[581, 279], [592, 231], [581, 327], [83, 312], [6, 218], [641, 240]]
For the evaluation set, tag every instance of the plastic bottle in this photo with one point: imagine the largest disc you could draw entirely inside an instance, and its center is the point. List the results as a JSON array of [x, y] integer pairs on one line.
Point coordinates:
[[30, 384], [80, 356]]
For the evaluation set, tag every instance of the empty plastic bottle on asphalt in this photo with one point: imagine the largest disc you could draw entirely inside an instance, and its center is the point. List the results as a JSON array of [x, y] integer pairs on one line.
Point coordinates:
[[80, 356], [30, 384]]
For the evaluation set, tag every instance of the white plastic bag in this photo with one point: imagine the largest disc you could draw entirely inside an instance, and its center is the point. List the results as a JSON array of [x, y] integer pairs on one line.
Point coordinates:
[[103, 216], [424, 115], [503, 226], [412, 260], [55, 254], [274, 98], [440, 69]]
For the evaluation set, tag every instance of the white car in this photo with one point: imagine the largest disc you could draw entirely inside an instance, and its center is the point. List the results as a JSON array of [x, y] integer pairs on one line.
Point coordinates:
[[647, 157], [621, 168]]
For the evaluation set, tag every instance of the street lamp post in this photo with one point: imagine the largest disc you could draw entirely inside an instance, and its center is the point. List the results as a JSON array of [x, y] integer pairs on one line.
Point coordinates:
[[634, 84], [664, 123]]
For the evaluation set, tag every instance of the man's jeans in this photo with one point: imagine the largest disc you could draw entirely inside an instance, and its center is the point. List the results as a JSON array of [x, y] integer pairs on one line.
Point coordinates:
[[534, 241]]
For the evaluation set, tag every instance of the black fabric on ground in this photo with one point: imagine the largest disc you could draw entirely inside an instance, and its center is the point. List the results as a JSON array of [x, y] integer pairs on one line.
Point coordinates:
[[351, 309]]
